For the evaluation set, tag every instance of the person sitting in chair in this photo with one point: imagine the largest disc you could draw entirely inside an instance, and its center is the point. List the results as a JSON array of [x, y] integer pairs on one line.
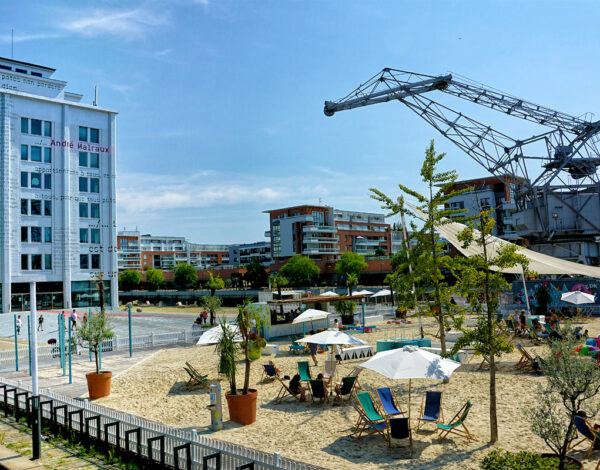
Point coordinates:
[[323, 379], [296, 388]]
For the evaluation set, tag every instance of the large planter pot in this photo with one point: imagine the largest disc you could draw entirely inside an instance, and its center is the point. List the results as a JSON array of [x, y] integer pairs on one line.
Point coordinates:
[[570, 459], [242, 408], [347, 319], [254, 353], [98, 384]]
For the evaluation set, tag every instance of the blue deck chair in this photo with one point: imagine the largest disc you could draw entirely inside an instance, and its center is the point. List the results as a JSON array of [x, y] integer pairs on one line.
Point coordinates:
[[269, 372], [386, 396], [456, 423], [431, 409], [589, 434]]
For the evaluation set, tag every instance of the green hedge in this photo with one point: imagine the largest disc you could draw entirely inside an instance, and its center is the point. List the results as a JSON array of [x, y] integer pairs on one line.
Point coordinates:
[[497, 460]]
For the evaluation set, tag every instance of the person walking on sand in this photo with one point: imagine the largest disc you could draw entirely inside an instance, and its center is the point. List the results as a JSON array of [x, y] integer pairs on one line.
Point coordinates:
[[204, 316], [41, 322], [74, 319], [314, 348], [19, 324]]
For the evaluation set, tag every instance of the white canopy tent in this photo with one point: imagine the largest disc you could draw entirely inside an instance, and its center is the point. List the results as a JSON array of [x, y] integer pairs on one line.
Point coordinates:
[[382, 293], [213, 336], [538, 262], [329, 294], [363, 292]]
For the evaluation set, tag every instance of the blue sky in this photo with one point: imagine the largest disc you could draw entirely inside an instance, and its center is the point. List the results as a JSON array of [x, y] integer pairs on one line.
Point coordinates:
[[221, 101]]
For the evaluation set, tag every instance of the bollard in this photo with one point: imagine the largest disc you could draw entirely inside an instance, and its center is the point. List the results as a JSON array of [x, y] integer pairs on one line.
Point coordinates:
[[215, 407], [29, 342], [70, 374], [130, 339], [16, 346]]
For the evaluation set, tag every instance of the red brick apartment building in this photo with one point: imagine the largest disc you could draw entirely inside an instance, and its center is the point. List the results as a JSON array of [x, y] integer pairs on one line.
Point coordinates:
[[323, 233]]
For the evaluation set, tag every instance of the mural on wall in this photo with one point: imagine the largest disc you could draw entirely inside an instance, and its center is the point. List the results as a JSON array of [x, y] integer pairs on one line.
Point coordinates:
[[556, 289]]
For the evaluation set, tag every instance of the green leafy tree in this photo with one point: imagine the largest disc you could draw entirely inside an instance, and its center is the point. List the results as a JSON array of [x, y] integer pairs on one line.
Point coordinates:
[[256, 274], [300, 269], [130, 279], [212, 304], [154, 278], [278, 281], [572, 385], [479, 281], [185, 276], [380, 251], [350, 263], [351, 281], [431, 262], [214, 283]]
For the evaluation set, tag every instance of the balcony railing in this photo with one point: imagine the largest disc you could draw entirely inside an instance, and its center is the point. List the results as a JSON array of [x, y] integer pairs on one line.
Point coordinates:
[[313, 239], [318, 228]]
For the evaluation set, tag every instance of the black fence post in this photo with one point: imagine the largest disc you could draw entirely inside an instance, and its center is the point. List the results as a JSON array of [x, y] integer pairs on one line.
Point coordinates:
[[161, 442], [17, 395], [117, 433], [188, 455], [207, 458], [6, 392], [88, 438], [138, 439]]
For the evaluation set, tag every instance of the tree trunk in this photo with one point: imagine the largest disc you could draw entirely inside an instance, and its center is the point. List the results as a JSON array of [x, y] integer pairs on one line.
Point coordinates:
[[436, 282], [490, 328], [247, 360], [212, 317], [350, 290], [212, 291], [392, 293], [97, 362]]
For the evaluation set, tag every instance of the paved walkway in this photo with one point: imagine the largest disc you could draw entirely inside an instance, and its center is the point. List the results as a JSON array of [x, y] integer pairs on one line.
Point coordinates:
[[51, 374]]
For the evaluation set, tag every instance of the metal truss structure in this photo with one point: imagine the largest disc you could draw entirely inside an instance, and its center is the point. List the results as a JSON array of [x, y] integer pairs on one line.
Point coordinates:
[[560, 162]]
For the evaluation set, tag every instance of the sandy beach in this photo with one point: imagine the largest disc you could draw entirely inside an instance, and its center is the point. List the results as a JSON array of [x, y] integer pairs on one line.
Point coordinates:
[[320, 435]]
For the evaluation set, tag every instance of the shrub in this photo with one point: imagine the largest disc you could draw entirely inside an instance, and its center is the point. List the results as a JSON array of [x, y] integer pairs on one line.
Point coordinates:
[[497, 460]]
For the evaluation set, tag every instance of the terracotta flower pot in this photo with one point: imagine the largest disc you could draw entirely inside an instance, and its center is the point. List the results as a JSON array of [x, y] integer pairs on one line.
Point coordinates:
[[242, 408], [98, 384]]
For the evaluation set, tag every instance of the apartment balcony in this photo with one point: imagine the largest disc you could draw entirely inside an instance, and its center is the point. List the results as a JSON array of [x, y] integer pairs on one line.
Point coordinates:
[[321, 251], [368, 243], [318, 229], [316, 239]]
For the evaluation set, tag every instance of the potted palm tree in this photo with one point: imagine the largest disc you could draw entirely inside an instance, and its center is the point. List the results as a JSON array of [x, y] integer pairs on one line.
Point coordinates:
[[241, 402], [91, 333]]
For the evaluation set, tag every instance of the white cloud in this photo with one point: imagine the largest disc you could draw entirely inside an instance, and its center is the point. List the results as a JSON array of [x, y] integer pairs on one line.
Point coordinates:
[[7, 38], [125, 23]]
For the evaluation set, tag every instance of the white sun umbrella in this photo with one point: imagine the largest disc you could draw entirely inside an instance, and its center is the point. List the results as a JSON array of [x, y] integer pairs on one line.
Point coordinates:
[[364, 292], [578, 297], [332, 337], [411, 362], [329, 294], [382, 293], [213, 336], [310, 315]]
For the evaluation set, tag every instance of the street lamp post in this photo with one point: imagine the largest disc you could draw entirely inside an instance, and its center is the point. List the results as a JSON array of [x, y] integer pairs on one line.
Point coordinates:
[[36, 425]]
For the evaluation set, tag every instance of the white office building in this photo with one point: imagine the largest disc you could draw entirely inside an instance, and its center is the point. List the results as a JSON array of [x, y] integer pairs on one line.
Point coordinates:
[[57, 177]]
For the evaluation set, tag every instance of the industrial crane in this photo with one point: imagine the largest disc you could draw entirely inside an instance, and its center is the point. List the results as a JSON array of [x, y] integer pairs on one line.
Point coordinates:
[[555, 167]]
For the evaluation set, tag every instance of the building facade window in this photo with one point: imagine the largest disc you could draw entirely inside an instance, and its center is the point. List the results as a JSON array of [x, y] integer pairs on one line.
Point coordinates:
[[24, 152], [83, 209], [83, 159], [94, 136], [36, 234], [36, 262], [24, 179], [83, 134], [36, 127], [48, 208], [94, 210], [47, 234], [48, 262], [83, 235], [36, 153], [24, 207], [24, 125], [24, 262], [36, 207], [24, 234], [47, 181], [83, 184], [95, 261], [84, 262], [94, 185], [94, 235]]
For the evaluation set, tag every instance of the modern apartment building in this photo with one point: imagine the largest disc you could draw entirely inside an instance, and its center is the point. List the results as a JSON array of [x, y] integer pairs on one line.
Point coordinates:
[[322, 233], [57, 170], [136, 251], [246, 252], [490, 193]]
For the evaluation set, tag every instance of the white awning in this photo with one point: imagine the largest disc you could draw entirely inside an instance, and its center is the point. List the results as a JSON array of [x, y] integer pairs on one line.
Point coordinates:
[[538, 262]]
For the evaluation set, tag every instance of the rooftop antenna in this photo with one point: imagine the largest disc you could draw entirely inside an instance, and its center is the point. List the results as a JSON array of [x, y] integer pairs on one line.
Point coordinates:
[[96, 95]]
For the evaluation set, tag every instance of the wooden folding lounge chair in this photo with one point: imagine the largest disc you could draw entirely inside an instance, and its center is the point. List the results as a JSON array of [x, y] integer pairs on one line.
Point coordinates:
[[388, 401], [431, 408], [369, 420], [589, 434], [304, 371], [269, 372], [526, 361], [195, 380], [485, 363], [296, 348], [194, 370], [400, 429], [354, 373], [456, 423], [345, 388], [285, 392], [318, 391]]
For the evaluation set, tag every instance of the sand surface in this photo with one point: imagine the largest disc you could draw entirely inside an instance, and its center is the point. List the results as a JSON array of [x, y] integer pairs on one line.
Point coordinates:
[[320, 435]]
